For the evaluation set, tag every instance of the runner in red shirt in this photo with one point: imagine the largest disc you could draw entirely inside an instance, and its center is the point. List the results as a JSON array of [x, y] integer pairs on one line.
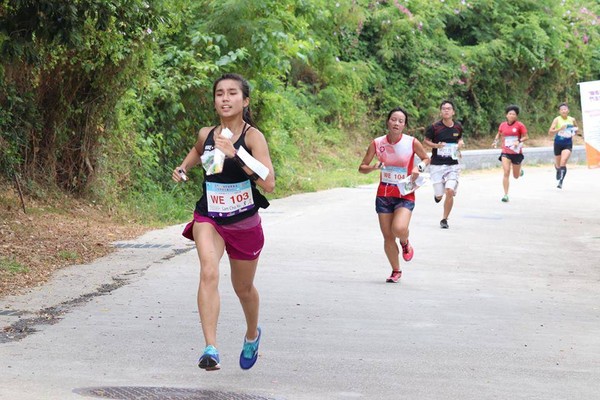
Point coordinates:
[[513, 134]]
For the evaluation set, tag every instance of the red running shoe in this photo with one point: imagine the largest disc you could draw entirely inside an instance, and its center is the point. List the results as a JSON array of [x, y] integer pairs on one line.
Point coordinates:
[[394, 277], [407, 251]]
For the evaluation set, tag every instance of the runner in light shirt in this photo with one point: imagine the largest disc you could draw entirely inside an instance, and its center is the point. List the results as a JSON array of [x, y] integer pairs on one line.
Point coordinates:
[[395, 154], [564, 127]]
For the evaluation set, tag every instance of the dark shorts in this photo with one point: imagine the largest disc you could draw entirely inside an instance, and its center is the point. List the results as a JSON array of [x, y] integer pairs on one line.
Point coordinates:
[[514, 158], [244, 240], [387, 205], [559, 147]]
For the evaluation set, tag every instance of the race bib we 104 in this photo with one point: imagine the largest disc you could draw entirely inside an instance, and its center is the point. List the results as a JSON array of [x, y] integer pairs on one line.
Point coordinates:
[[392, 175]]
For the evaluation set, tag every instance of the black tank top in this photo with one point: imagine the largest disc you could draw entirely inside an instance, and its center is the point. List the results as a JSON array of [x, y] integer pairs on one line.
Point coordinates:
[[232, 173]]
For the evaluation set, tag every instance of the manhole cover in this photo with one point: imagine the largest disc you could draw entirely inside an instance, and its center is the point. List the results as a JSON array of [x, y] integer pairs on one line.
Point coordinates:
[[162, 393]]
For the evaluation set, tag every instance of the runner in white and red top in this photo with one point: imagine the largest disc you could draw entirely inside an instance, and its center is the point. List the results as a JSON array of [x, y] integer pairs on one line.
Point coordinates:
[[395, 154], [513, 134]]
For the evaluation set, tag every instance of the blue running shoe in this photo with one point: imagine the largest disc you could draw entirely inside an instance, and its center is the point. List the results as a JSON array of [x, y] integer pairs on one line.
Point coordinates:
[[210, 359], [249, 353]]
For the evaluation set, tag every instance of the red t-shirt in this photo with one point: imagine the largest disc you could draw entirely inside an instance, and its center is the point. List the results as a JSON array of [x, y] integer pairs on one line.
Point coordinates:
[[511, 134]]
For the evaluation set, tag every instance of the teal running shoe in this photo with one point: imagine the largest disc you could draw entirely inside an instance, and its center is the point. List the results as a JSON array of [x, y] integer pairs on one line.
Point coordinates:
[[209, 361], [249, 353]]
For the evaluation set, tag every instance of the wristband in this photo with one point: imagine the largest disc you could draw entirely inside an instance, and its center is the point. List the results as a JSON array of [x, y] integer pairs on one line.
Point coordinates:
[[238, 160], [421, 166]]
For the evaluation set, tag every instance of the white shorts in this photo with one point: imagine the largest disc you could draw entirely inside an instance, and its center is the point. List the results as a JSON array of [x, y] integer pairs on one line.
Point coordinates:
[[444, 177]]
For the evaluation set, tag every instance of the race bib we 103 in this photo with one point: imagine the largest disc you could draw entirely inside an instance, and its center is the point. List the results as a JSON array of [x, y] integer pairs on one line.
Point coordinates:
[[227, 199]]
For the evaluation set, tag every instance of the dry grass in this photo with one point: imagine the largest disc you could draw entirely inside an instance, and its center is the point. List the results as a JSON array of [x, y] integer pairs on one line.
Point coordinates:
[[52, 235]]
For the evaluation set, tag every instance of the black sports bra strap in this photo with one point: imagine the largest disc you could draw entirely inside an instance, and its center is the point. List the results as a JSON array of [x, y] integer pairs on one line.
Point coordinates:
[[246, 128]]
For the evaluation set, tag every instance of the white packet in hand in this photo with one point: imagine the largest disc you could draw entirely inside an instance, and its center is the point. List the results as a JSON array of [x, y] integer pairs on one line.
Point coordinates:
[[213, 161], [406, 186]]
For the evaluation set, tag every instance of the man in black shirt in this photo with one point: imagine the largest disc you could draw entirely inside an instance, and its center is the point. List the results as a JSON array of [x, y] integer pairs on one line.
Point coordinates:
[[445, 139]]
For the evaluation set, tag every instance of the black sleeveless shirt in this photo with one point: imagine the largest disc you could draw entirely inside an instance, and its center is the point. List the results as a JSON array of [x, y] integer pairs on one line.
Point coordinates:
[[232, 173]]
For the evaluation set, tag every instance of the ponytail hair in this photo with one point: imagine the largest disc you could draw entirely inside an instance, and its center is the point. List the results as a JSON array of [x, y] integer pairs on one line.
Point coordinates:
[[245, 88], [247, 116]]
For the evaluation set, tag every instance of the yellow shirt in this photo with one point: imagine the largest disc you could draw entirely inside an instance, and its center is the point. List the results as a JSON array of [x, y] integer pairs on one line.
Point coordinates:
[[564, 122]]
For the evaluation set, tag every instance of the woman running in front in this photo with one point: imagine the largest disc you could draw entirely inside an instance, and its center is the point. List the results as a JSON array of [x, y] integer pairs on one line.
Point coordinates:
[[564, 127], [513, 133], [226, 216], [395, 153]]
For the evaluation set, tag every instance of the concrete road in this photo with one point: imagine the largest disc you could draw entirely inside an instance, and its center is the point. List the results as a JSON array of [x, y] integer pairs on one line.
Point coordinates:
[[503, 305]]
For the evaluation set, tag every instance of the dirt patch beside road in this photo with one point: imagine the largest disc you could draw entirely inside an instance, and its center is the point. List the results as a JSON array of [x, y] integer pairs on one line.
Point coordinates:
[[51, 236]]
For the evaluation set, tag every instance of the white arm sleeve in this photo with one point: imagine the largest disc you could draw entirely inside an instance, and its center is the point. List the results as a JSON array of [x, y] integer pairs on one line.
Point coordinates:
[[252, 163]]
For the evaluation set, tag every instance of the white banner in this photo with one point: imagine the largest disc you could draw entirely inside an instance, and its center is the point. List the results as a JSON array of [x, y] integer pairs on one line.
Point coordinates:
[[590, 115]]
